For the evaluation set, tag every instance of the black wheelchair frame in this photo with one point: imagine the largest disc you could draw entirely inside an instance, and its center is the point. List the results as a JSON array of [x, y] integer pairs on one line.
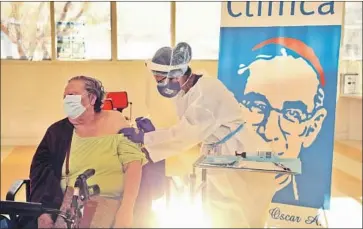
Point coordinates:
[[14, 189], [17, 209]]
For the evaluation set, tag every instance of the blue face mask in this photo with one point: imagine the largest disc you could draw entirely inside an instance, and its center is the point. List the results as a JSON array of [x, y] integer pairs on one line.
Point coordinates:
[[169, 89]]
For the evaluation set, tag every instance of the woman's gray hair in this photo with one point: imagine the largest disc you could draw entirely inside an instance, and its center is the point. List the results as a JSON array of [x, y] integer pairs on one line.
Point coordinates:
[[94, 87]]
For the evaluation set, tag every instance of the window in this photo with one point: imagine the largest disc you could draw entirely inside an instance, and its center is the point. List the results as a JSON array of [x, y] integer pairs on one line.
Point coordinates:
[[198, 23], [25, 31], [352, 40], [83, 30], [142, 28]]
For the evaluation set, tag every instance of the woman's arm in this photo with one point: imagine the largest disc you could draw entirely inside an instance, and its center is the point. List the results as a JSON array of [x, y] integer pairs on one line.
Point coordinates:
[[43, 186], [133, 172], [124, 216], [45, 169], [132, 159]]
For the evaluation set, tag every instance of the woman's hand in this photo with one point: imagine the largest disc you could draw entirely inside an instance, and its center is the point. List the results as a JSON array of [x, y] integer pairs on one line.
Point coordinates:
[[124, 217], [45, 221]]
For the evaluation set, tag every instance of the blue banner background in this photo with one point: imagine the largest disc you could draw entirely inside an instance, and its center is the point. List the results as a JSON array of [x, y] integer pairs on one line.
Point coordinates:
[[314, 184]]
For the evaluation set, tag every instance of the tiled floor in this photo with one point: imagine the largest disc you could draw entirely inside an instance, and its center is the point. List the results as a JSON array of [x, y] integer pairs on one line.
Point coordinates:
[[346, 206]]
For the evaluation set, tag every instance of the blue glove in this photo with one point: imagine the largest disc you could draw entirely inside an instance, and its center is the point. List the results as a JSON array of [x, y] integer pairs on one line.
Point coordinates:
[[134, 135], [144, 124]]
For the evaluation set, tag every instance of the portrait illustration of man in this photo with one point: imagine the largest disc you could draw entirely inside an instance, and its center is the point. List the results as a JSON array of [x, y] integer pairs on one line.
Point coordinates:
[[286, 85]]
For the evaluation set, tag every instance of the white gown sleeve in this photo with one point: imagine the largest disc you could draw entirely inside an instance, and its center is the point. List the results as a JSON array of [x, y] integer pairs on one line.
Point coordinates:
[[196, 125]]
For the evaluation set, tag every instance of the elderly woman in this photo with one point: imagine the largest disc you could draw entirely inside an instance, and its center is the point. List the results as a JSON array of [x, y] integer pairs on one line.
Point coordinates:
[[87, 138]]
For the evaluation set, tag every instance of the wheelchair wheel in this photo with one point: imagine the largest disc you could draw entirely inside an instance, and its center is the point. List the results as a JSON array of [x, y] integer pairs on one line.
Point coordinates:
[[5, 222]]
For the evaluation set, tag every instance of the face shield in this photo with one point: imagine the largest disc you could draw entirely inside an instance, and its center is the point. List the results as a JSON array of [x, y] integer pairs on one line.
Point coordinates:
[[168, 66]]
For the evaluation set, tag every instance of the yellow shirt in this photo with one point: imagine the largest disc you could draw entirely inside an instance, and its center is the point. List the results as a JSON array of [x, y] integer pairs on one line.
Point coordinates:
[[105, 154]]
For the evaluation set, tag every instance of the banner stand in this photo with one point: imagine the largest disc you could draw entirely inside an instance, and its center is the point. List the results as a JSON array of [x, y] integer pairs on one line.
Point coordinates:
[[280, 60]]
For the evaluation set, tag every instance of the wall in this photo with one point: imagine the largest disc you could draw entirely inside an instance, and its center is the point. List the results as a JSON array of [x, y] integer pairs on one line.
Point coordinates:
[[31, 92], [349, 119], [348, 124], [31, 96]]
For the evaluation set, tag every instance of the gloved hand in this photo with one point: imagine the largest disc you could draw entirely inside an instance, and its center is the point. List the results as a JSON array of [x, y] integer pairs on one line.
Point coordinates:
[[133, 134], [144, 124]]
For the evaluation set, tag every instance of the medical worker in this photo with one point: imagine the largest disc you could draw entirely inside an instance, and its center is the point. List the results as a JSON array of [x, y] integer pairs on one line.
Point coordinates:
[[208, 114]]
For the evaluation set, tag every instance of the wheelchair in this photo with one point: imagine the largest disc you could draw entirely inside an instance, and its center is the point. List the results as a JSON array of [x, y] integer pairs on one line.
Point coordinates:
[[9, 219], [71, 216]]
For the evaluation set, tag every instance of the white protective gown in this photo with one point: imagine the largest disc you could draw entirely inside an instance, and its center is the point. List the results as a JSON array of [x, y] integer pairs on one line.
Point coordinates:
[[178, 165], [208, 112]]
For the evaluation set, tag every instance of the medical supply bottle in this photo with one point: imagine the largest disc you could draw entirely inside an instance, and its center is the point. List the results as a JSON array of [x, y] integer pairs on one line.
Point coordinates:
[[258, 156]]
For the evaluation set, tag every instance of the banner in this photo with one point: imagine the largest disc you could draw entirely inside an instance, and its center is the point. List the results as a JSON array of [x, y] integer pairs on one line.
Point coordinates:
[[280, 59]]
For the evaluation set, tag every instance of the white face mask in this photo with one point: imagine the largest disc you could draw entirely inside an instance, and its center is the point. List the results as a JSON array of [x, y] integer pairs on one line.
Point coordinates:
[[73, 106]]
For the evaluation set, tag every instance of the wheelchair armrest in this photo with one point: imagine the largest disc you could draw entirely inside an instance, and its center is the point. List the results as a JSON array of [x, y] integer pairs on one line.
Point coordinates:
[[14, 189]]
